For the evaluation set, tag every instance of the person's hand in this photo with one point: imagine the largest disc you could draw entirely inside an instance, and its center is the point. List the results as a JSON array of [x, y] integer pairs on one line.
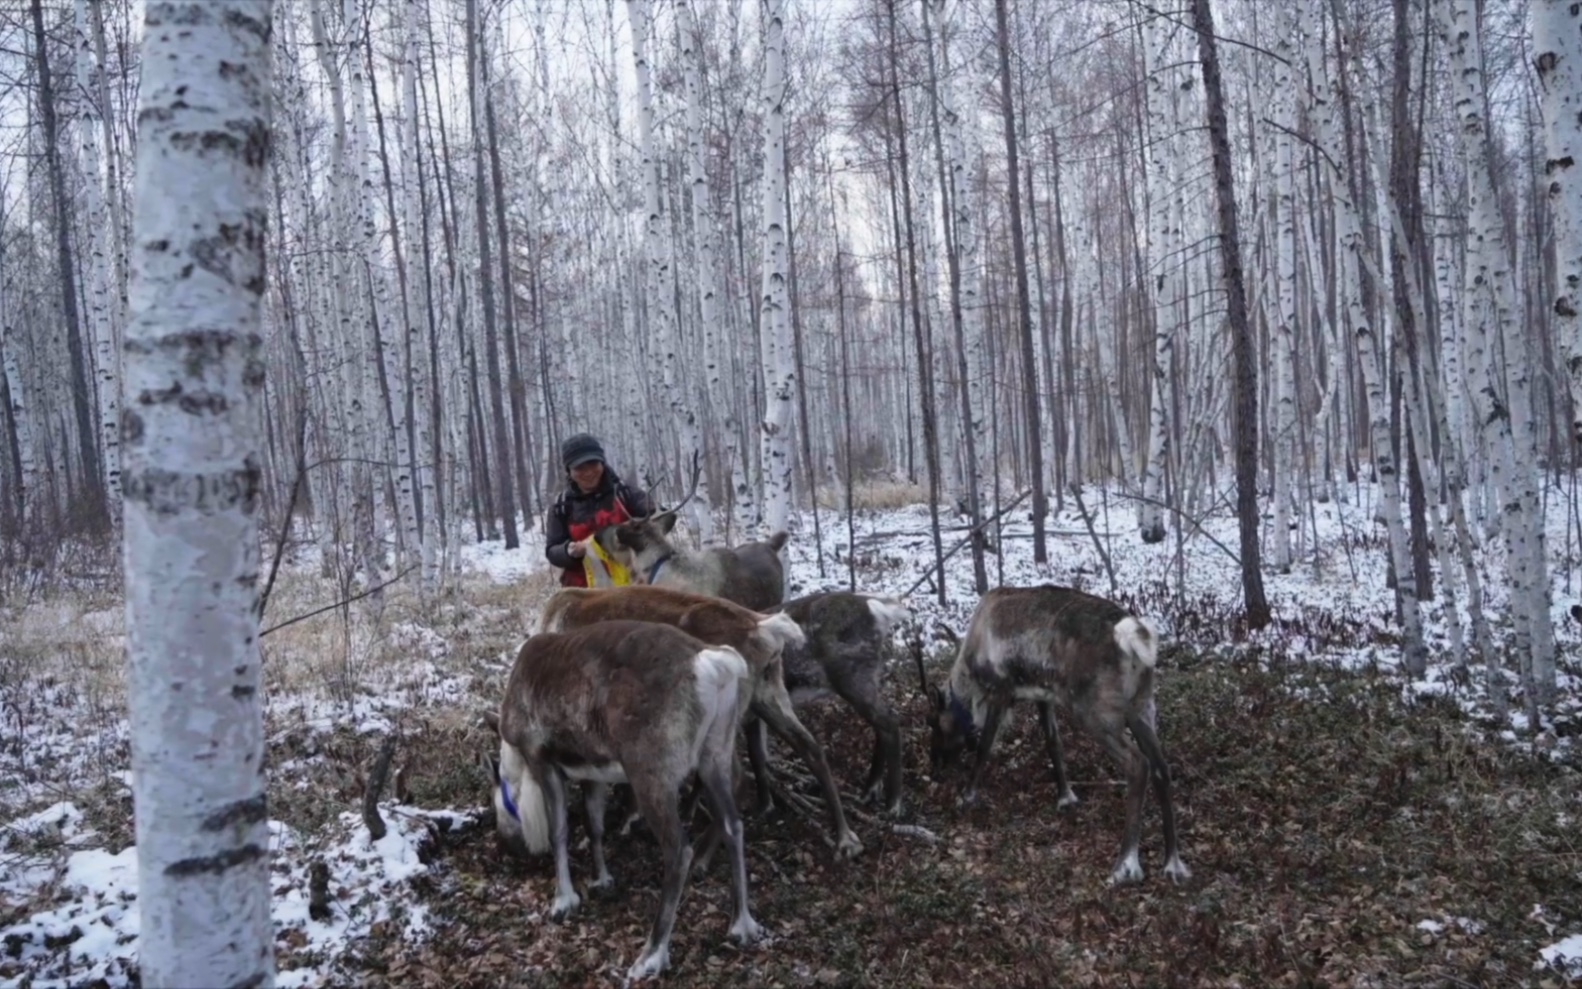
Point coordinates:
[[578, 548]]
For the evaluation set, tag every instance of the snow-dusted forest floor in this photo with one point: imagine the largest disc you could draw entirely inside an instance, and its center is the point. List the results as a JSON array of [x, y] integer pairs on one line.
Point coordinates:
[[1344, 825]]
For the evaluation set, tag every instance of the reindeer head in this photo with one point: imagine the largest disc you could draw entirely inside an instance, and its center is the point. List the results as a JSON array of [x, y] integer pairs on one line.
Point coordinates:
[[641, 543], [951, 729]]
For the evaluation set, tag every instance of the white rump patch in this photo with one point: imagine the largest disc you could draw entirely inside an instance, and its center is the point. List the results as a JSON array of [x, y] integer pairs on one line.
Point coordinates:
[[718, 674], [1138, 639], [781, 630], [888, 612]]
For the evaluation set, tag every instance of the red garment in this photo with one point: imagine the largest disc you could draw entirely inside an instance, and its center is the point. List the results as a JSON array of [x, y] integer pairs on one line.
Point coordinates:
[[614, 515]]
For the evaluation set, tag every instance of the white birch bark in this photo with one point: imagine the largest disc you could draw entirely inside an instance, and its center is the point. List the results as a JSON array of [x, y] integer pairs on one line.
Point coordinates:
[[194, 366], [779, 368], [969, 268], [1161, 80], [1282, 339], [95, 260], [1325, 96], [1511, 435], [1557, 53], [417, 307], [661, 295]]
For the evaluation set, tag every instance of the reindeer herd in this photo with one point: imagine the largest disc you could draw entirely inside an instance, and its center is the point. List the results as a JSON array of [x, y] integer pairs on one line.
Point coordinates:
[[649, 685]]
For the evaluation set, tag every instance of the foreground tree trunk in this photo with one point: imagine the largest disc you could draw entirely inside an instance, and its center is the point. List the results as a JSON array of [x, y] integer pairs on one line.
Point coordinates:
[[1557, 53], [194, 372], [777, 352], [1240, 327]]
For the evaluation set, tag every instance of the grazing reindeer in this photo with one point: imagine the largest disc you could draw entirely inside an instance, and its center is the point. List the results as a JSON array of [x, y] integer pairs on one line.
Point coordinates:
[[1055, 645], [627, 702], [761, 639], [750, 575], [847, 639]]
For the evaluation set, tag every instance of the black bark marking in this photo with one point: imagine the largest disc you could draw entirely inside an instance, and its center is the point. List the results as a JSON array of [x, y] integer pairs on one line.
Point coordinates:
[[215, 864], [249, 810], [241, 692], [168, 493]]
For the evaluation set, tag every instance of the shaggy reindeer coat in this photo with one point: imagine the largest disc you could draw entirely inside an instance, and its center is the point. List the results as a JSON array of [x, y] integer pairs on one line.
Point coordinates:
[[627, 702], [760, 639], [1059, 646], [750, 575]]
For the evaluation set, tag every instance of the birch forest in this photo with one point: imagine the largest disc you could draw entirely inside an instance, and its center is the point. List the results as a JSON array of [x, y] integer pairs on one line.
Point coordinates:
[[1228, 253], [1263, 317]]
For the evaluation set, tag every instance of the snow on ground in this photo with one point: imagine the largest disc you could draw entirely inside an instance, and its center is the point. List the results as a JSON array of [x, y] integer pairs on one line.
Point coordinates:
[[68, 893]]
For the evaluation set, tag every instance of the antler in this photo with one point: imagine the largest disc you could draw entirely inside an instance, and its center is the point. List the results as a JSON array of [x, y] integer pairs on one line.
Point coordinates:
[[697, 475]]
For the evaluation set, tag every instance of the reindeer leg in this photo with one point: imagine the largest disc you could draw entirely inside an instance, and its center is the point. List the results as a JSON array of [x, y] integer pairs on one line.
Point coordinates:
[[566, 898], [758, 755], [1128, 868], [884, 769], [1143, 730], [991, 728], [658, 801], [1057, 755], [728, 822], [594, 797], [776, 710]]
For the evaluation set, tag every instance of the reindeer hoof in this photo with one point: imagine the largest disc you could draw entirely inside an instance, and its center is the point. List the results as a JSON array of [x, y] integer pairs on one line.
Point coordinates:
[[1177, 870], [602, 888], [849, 847], [564, 906], [649, 965], [966, 800], [1067, 799], [1129, 870], [747, 931]]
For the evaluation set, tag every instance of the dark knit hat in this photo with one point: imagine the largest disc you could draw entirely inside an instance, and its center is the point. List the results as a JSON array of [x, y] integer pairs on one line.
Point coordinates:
[[580, 449]]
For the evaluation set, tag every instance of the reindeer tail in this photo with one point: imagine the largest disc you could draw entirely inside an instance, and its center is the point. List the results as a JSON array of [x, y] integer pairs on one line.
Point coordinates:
[[1138, 640], [778, 540], [887, 612], [518, 796], [549, 621], [780, 630]]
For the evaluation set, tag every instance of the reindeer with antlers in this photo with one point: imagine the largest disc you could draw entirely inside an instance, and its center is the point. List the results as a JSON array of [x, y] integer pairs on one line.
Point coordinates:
[[622, 702], [1055, 645], [751, 575]]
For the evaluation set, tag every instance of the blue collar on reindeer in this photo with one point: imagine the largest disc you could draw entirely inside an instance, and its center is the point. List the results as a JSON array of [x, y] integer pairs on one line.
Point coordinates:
[[963, 716], [659, 564], [505, 798]]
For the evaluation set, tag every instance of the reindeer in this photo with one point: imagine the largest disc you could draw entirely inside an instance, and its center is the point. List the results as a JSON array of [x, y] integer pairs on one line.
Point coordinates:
[[750, 575], [1055, 645], [627, 702], [847, 638], [761, 639]]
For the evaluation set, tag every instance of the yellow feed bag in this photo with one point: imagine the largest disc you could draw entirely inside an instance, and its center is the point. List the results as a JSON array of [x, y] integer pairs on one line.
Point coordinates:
[[603, 571]]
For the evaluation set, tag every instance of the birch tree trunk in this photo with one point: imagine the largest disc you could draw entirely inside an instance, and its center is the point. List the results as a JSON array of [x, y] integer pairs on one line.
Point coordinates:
[[194, 366], [95, 226], [1161, 81], [1512, 451], [776, 346], [1282, 344], [705, 241], [28, 492], [419, 303], [1557, 53]]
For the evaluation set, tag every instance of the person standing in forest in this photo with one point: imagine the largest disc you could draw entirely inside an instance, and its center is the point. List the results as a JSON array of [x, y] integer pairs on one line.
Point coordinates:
[[595, 497]]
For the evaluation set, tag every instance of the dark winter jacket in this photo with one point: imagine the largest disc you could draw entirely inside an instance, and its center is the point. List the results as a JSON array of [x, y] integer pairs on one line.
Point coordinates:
[[576, 516]]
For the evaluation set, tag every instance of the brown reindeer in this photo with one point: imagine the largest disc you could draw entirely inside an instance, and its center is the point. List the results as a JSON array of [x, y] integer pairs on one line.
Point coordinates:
[[750, 575], [1055, 645], [626, 702], [761, 639]]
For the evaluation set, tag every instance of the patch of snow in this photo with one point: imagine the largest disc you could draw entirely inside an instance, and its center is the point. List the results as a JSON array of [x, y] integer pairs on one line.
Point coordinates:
[[1562, 956]]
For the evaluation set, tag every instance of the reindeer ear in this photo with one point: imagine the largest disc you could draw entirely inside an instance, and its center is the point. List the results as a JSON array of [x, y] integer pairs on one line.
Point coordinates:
[[492, 720], [666, 522]]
